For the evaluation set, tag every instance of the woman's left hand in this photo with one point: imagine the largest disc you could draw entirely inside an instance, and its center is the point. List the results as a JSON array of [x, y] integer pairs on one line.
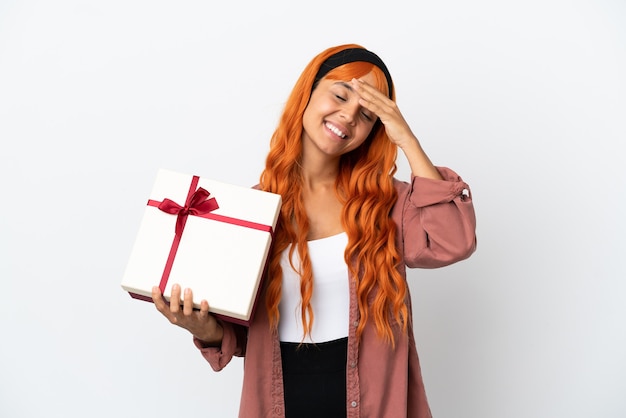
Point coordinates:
[[396, 127], [387, 111]]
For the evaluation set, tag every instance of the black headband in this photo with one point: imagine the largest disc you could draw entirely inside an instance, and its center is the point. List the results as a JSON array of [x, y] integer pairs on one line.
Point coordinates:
[[353, 55]]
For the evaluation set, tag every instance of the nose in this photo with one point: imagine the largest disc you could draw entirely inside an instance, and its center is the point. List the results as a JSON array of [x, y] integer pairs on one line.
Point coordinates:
[[349, 111]]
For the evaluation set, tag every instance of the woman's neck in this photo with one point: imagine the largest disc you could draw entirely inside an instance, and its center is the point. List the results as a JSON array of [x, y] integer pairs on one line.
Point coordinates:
[[318, 170]]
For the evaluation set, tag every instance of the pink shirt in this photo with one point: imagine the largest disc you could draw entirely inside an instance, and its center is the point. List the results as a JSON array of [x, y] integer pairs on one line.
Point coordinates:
[[437, 226]]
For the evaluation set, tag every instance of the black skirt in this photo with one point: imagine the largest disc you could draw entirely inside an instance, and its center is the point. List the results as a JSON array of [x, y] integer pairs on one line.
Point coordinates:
[[314, 377]]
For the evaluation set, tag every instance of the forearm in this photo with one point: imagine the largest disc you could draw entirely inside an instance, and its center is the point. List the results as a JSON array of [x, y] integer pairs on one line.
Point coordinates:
[[420, 164]]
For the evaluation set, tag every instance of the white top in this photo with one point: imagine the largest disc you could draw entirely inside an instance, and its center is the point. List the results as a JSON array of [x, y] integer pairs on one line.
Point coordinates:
[[331, 293]]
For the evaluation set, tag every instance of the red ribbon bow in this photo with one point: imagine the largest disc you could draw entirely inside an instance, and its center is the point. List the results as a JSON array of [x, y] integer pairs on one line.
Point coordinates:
[[197, 203]]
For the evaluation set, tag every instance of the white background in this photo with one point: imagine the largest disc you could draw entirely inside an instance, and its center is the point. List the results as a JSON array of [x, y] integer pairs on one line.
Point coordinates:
[[526, 100]]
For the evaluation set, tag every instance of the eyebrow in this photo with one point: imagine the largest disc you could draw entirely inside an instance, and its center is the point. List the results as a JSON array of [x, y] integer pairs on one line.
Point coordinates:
[[344, 84]]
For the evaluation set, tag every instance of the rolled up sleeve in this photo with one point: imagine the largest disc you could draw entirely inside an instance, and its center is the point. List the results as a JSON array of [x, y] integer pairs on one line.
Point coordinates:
[[233, 344], [438, 222]]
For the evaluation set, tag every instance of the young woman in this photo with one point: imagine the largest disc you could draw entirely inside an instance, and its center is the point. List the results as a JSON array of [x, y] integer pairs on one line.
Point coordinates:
[[333, 335]]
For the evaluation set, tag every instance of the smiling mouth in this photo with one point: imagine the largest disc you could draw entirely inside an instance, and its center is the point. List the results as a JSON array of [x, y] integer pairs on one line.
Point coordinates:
[[336, 131]]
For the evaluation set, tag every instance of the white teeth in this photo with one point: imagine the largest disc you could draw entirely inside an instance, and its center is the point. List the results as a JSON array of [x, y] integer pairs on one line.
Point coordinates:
[[336, 131]]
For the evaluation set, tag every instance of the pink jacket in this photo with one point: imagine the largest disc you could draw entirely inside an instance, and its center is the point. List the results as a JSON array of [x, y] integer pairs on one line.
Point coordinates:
[[437, 227]]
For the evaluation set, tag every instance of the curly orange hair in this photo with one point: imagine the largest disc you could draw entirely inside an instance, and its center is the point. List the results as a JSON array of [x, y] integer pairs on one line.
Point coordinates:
[[364, 186]]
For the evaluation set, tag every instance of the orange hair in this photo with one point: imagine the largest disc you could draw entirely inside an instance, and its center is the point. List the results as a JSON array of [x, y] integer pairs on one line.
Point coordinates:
[[365, 188]]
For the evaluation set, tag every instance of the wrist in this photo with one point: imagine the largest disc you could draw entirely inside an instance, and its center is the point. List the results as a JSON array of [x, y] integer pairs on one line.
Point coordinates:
[[407, 142], [213, 339]]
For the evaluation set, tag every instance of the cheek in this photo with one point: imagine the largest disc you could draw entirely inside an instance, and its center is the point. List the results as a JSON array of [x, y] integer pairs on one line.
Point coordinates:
[[308, 117], [321, 104], [311, 111], [365, 132]]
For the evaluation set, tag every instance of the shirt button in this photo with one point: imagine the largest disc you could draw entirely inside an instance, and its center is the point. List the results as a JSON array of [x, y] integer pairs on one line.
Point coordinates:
[[355, 323], [353, 404], [353, 364]]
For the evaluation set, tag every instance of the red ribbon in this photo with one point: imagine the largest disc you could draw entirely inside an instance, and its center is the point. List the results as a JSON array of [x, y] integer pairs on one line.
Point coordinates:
[[197, 204]]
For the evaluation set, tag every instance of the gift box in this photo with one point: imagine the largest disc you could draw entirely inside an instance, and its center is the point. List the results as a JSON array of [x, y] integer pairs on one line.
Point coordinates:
[[209, 236]]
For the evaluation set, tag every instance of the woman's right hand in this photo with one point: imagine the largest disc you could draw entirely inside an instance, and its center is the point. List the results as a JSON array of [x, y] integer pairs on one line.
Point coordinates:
[[202, 324]]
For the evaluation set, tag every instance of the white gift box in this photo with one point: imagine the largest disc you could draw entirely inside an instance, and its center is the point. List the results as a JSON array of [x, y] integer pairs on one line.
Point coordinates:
[[220, 255]]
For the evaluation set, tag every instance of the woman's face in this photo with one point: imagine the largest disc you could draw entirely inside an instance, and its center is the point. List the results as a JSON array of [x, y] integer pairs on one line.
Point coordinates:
[[334, 122]]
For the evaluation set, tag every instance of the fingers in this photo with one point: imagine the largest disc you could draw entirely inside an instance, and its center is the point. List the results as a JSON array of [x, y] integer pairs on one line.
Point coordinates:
[[187, 302], [174, 306], [204, 309], [368, 92], [373, 99], [200, 322], [158, 300], [366, 97], [396, 127], [175, 299]]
